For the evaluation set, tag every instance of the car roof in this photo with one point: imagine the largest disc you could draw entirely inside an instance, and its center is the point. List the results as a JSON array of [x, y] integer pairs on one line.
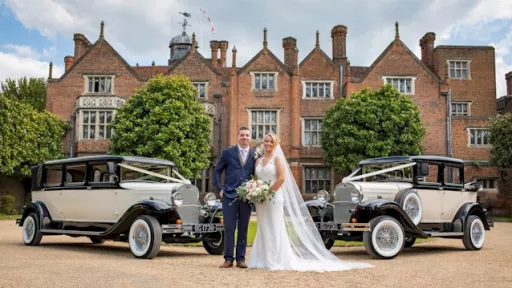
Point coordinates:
[[115, 158], [427, 158]]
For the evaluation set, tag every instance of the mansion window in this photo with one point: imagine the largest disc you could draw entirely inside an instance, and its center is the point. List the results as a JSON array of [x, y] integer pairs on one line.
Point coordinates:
[[478, 136], [94, 124], [99, 84], [264, 81], [311, 131], [201, 89], [204, 183], [317, 178], [459, 69], [263, 122], [404, 85], [487, 183], [460, 108], [320, 89]]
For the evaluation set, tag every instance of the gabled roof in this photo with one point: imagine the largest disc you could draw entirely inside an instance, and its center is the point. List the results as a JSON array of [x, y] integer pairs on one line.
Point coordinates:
[[196, 53], [319, 50], [272, 56], [150, 71], [386, 51], [98, 42]]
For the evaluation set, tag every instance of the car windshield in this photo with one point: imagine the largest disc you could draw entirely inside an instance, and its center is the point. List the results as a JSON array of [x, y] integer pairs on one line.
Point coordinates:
[[135, 174], [402, 174]]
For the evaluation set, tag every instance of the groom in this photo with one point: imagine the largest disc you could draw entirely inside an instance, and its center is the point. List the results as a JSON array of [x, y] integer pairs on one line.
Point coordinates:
[[237, 163]]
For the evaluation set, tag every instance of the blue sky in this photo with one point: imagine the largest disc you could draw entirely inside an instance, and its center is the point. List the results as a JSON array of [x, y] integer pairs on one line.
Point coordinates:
[[35, 32]]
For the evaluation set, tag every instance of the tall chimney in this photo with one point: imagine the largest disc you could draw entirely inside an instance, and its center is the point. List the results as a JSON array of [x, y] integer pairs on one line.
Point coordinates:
[[215, 48], [427, 50], [68, 62], [339, 44], [508, 77], [289, 45], [223, 50], [81, 45]]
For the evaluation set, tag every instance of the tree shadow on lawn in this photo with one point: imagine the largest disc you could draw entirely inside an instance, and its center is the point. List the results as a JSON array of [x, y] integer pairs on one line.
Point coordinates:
[[120, 249]]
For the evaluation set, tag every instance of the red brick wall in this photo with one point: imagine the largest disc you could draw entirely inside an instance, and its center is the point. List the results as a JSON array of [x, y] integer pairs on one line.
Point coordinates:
[[431, 104]]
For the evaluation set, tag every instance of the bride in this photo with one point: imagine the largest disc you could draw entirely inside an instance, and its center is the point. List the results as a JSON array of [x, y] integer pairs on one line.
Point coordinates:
[[286, 237]]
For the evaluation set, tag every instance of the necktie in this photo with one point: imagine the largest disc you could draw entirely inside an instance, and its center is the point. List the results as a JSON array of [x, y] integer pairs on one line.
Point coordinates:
[[243, 155]]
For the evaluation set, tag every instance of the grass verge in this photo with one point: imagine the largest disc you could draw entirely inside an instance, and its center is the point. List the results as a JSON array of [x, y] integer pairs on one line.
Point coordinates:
[[9, 217], [502, 219]]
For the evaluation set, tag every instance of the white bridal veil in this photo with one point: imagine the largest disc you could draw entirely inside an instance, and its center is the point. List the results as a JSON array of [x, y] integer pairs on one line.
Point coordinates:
[[305, 239]]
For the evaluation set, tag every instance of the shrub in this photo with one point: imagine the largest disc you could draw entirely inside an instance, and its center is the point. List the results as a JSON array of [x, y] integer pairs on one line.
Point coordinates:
[[7, 205]]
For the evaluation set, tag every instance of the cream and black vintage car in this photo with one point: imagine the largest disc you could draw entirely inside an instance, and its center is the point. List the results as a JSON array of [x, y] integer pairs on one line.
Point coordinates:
[[120, 198], [389, 202]]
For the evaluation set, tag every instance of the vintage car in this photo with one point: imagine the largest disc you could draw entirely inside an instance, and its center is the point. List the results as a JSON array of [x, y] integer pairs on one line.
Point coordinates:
[[389, 202], [120, 198]]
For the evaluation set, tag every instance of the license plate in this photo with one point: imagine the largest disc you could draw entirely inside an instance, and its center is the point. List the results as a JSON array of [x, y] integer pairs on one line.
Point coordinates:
[[328, 226], [204, 228]]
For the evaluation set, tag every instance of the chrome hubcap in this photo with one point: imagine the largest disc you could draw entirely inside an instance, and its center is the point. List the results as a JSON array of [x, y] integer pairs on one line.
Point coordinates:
[[387, 238], [411, 208], [476, 233], [29, 229], [141, 238]]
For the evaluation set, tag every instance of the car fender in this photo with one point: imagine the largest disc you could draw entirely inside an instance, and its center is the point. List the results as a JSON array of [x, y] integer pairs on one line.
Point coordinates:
[[41, 210], [368, 210], [322, 208], [472, 208], [161, 210]]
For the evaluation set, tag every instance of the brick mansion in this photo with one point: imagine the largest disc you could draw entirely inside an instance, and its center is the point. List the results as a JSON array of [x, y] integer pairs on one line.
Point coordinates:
[[454, 87]]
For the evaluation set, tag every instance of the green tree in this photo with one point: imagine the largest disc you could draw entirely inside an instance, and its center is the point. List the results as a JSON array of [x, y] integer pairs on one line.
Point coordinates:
[[164, 120], [27, 137], [500, 128], [371, 124], [31, 91]]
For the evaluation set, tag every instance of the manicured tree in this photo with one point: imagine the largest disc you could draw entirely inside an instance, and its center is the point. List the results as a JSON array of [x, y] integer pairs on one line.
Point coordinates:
[[164, 120], [27, 137], [31, 91], [371, 124]]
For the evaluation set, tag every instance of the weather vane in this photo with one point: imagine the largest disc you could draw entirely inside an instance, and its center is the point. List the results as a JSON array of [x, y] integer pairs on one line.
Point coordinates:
[[184, 24]]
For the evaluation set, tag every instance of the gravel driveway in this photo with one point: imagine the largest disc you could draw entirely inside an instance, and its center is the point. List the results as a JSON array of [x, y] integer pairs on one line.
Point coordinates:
[[62, 261]]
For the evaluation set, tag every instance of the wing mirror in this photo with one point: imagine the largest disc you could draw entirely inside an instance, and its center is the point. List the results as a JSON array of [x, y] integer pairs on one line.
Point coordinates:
[[422, 170]]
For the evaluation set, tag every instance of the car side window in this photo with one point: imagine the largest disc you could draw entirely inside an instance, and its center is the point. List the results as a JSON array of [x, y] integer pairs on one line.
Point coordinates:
[[100, 173], [452, 175], [75, 174], [53, 176], [433, 176]]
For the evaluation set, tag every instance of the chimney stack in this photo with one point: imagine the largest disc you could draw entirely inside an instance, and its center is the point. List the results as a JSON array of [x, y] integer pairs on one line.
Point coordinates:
[[50, 72], [223, 50], [81, 45], [289, 45], [215, 48], [68, 62], [339, 44], [427, 50], [508, 77]]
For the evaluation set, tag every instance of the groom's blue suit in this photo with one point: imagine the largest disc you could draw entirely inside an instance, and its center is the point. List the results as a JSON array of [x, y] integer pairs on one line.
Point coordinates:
[[235, 172]]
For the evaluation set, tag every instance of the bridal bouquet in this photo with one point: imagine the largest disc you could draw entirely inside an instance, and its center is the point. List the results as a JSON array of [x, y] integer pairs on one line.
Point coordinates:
[[255, 191]]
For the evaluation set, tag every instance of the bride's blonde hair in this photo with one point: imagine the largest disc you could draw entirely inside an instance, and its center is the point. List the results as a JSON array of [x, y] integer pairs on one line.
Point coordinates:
[[261, 148]]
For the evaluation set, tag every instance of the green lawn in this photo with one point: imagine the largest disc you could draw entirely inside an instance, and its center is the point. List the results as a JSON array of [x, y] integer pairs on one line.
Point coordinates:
[[9, 217], [502, 219], [251, 234]]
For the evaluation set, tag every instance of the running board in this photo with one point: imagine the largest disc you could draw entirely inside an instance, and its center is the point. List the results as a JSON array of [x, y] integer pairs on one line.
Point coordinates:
[[72, 232], [441, 234]]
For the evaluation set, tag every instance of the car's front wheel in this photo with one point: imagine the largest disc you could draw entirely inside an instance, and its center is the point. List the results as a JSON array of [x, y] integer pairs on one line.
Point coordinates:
[[214, 243], [386, 238], [32, 234], [474, 233], [328, 241], [145, 237], [409, 241]]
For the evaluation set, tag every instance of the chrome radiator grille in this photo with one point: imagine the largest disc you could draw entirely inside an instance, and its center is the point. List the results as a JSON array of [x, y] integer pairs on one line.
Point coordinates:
[[342, 202], [189, 211]]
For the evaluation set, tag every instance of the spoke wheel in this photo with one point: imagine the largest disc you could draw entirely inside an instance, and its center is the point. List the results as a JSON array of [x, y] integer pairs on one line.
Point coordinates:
[[31, 232], [214, 243], [474, 233], [413, 206], [387, 238], [145, 237]]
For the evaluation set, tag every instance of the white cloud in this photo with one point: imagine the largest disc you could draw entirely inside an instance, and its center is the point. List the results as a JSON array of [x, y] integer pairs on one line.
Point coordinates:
[[14, 66], [21, 50], [141, 30]]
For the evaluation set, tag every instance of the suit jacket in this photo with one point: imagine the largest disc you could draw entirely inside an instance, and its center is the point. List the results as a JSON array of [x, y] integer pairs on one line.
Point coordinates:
[[235, 173]]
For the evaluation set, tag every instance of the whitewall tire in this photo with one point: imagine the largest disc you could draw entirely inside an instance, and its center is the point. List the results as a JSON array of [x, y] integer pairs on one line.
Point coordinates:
[[31, 231], [474, 233], [386, 239], [413, 206], [145, 237]]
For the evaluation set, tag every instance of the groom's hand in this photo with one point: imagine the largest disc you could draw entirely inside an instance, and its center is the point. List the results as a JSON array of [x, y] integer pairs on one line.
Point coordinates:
[[220, 193]]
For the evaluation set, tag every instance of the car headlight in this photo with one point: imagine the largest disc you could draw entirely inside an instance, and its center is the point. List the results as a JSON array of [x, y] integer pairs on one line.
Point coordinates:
[[356, 196], [210, 199], [323, 196], [177, 198]]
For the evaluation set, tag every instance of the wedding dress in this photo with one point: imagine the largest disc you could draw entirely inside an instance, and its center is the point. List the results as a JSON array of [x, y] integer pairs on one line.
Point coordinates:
[[286, 237]]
